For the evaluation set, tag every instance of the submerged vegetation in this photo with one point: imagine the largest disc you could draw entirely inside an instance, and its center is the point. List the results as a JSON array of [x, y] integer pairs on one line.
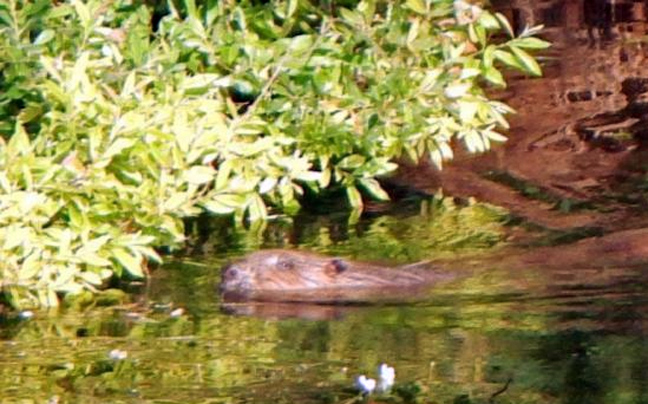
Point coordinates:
[[119, 119]]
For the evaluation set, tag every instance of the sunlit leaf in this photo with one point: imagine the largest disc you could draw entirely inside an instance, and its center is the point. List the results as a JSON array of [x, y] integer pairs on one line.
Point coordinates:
[[199, 175], [199, 82], [504, 23], [373, 188], [351, 162], [117, 147], [267, 185], [44, 37], [91, 277], [130, 263], [527, 61], [351, 16], [94, 260], [291, 7], [418, 6], [256, 209], [494, 76], [467, 110], [82, 12], [354, 197], [488, 21], [175, 201], [224, 203], [457, 90], [19, 143], [530, 43], [508, 59]]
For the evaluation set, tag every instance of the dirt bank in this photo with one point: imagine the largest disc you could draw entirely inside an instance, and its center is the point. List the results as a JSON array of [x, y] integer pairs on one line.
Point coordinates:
[[576, 155]]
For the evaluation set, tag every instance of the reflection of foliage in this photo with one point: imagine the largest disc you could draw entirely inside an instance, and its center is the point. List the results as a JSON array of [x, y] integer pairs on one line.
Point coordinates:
[[439, 356], [440, 226]]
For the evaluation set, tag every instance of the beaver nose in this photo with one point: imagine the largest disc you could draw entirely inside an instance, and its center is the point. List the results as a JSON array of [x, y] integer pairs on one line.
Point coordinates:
[[230, 272]]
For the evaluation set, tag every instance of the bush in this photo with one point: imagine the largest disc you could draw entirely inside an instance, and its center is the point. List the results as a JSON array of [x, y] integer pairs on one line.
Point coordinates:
[[114, 132]]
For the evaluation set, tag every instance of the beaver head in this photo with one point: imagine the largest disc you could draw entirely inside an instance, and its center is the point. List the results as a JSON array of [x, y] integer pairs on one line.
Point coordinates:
[[282, 270]]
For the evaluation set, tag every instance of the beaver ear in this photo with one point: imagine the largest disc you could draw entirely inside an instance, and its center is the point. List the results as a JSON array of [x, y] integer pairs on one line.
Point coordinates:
[[338, 265]]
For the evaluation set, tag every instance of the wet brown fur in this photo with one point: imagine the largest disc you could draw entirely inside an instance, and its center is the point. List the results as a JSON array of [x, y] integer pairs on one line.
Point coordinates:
[[289, 275]]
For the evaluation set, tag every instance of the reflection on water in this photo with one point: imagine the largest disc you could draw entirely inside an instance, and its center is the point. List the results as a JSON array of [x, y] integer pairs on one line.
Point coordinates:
[[559, 335]]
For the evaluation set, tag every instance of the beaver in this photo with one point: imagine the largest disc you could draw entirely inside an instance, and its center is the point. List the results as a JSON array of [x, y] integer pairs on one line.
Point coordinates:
[[298, 276]]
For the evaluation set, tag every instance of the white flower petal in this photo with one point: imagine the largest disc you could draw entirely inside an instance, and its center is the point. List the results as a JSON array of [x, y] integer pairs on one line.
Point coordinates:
[[365, 385]]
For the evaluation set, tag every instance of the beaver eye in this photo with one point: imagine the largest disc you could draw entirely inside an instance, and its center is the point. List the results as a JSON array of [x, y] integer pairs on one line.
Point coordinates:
[[285, 265], [339, 265]]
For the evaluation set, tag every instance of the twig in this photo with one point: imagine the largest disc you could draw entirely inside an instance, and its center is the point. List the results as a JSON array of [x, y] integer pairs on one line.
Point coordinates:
[[500, 391]]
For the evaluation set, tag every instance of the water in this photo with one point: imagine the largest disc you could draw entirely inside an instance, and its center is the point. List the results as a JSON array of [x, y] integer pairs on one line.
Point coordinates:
[[539, 335]]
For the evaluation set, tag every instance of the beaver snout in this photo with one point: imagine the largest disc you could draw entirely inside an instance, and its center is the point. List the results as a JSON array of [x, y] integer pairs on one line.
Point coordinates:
[[230, 272], [233, 278]]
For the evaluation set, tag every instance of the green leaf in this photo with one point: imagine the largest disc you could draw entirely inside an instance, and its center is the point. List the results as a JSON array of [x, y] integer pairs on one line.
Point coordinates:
[[175, 201], [477, 34], [418, 6], [494, 76], [352, 17], [351, 162], [44, 37], [467, 110], [508, 59], [457, 89], [529, 43], [368, 9], [129, 262], [531, 31], [199, 175], [291, 7], [224, 203], [79, 75], [91, 277], [192, 11], [309, 176], [30, 268], [497, 137], [325, 178], [94, 260], [199, 82], [488, 21], [19, 143], [354, 197], [301, 43], [148, 252], [529, 63], [373, 188], [504, 23], [267, 185], [413, 32], [82, 12], [256, 209], [488, 57], [119, 145]]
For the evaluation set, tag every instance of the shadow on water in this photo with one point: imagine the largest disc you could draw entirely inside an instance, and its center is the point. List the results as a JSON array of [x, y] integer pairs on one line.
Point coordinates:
[[539, 329]]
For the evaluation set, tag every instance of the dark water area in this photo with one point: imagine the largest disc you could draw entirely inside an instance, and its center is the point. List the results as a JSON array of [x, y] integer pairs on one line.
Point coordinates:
[[500, 334]]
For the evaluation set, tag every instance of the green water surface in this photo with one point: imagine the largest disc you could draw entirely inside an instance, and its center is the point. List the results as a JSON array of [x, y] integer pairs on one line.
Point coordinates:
[[497, 336]]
